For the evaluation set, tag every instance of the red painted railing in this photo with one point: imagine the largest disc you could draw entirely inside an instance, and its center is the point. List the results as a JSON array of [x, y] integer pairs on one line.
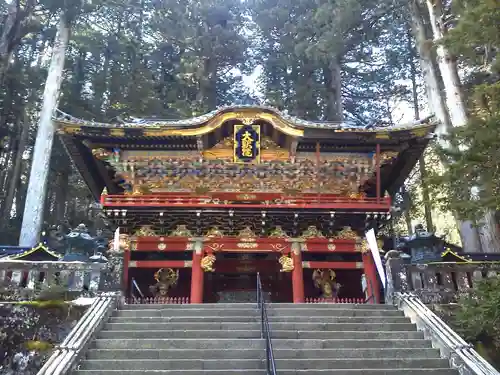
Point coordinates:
[[244, 200], [158, 301], [335, 300]]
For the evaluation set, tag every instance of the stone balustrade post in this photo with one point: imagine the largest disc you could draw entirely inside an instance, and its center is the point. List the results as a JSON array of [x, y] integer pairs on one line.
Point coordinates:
[[394, 271]]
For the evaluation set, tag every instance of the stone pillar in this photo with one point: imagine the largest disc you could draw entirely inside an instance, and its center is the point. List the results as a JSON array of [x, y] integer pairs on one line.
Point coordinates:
[[297, 275], [373, 286], [126, 265], [394, 270], [197, 276]]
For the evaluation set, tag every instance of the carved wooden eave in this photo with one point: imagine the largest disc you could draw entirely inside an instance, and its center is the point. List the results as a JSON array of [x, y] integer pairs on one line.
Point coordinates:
[[286, 137], [39, 252]]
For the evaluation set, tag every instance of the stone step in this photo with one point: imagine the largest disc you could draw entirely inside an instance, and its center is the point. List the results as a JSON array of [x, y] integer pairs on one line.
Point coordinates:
[[285, 319], [367, 306], [275, 326], [147, 354], [399, 371], [395, 353], [179, 344], [422, 371], [174, 372], [228, 354], [312, 312], [195, 306], [276, 312], [188, 312], [182, 334], [355, 335], [349, 343], [132, 343], [253, 305], [371, 363], [256, 364], [255, 334], [174, 364]]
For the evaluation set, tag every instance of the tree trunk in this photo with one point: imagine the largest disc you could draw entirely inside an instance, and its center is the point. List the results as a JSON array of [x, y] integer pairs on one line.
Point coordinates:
[[16, 173], [409, 226], [333, 85], [61, 195], [15, 22], [33, 209], [421, 161], [487, 238], [437, 103], [447, 66], [431, 78]]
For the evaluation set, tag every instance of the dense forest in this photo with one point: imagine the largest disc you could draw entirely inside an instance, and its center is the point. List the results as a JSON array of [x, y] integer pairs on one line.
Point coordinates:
[[365, 62]]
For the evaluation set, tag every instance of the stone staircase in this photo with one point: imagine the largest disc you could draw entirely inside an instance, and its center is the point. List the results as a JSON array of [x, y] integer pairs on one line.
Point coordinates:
[[341, 339], [344, 339]]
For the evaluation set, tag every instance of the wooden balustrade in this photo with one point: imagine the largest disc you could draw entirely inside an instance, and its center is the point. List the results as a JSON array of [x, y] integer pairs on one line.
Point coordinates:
[[436, 283], [36, 276], [237, 200], [335, 300], [158, 300]]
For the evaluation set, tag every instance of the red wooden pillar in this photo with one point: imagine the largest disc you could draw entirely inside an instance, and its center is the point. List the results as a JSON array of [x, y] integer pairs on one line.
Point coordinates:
[[196, 279], [297, 278], [126, 263], [372, 283], [377, 166]]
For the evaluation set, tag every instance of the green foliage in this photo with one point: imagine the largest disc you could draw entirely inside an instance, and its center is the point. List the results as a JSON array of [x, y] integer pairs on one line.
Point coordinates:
[[301, 43], [472, 179], [37, 345], [477, 317]]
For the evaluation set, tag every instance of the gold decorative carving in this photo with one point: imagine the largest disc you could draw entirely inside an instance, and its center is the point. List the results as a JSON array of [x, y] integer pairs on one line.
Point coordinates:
[[247, 245], [357, 195], [117, 132], [124, 244], [247, 234], [162, 246], [312, 232], [207, 263], [246, 197], [214, 232], [286, 263], [226, 143], [278, 232], [346, 234], [101, 153], [269, 144], [331, 247], [181, 231], [387, 156], [215, 246], [247, 120], [166, 278], [325, 280], [133, 245], [145, 231], [362, 247], [278, 247]]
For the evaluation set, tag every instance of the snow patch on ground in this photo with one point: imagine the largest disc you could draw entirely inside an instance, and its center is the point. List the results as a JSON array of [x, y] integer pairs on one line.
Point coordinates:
[[82, 301]]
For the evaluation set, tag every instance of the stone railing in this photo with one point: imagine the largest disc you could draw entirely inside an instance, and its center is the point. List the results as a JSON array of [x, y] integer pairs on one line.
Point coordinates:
[[434, 283], [31, 277]]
